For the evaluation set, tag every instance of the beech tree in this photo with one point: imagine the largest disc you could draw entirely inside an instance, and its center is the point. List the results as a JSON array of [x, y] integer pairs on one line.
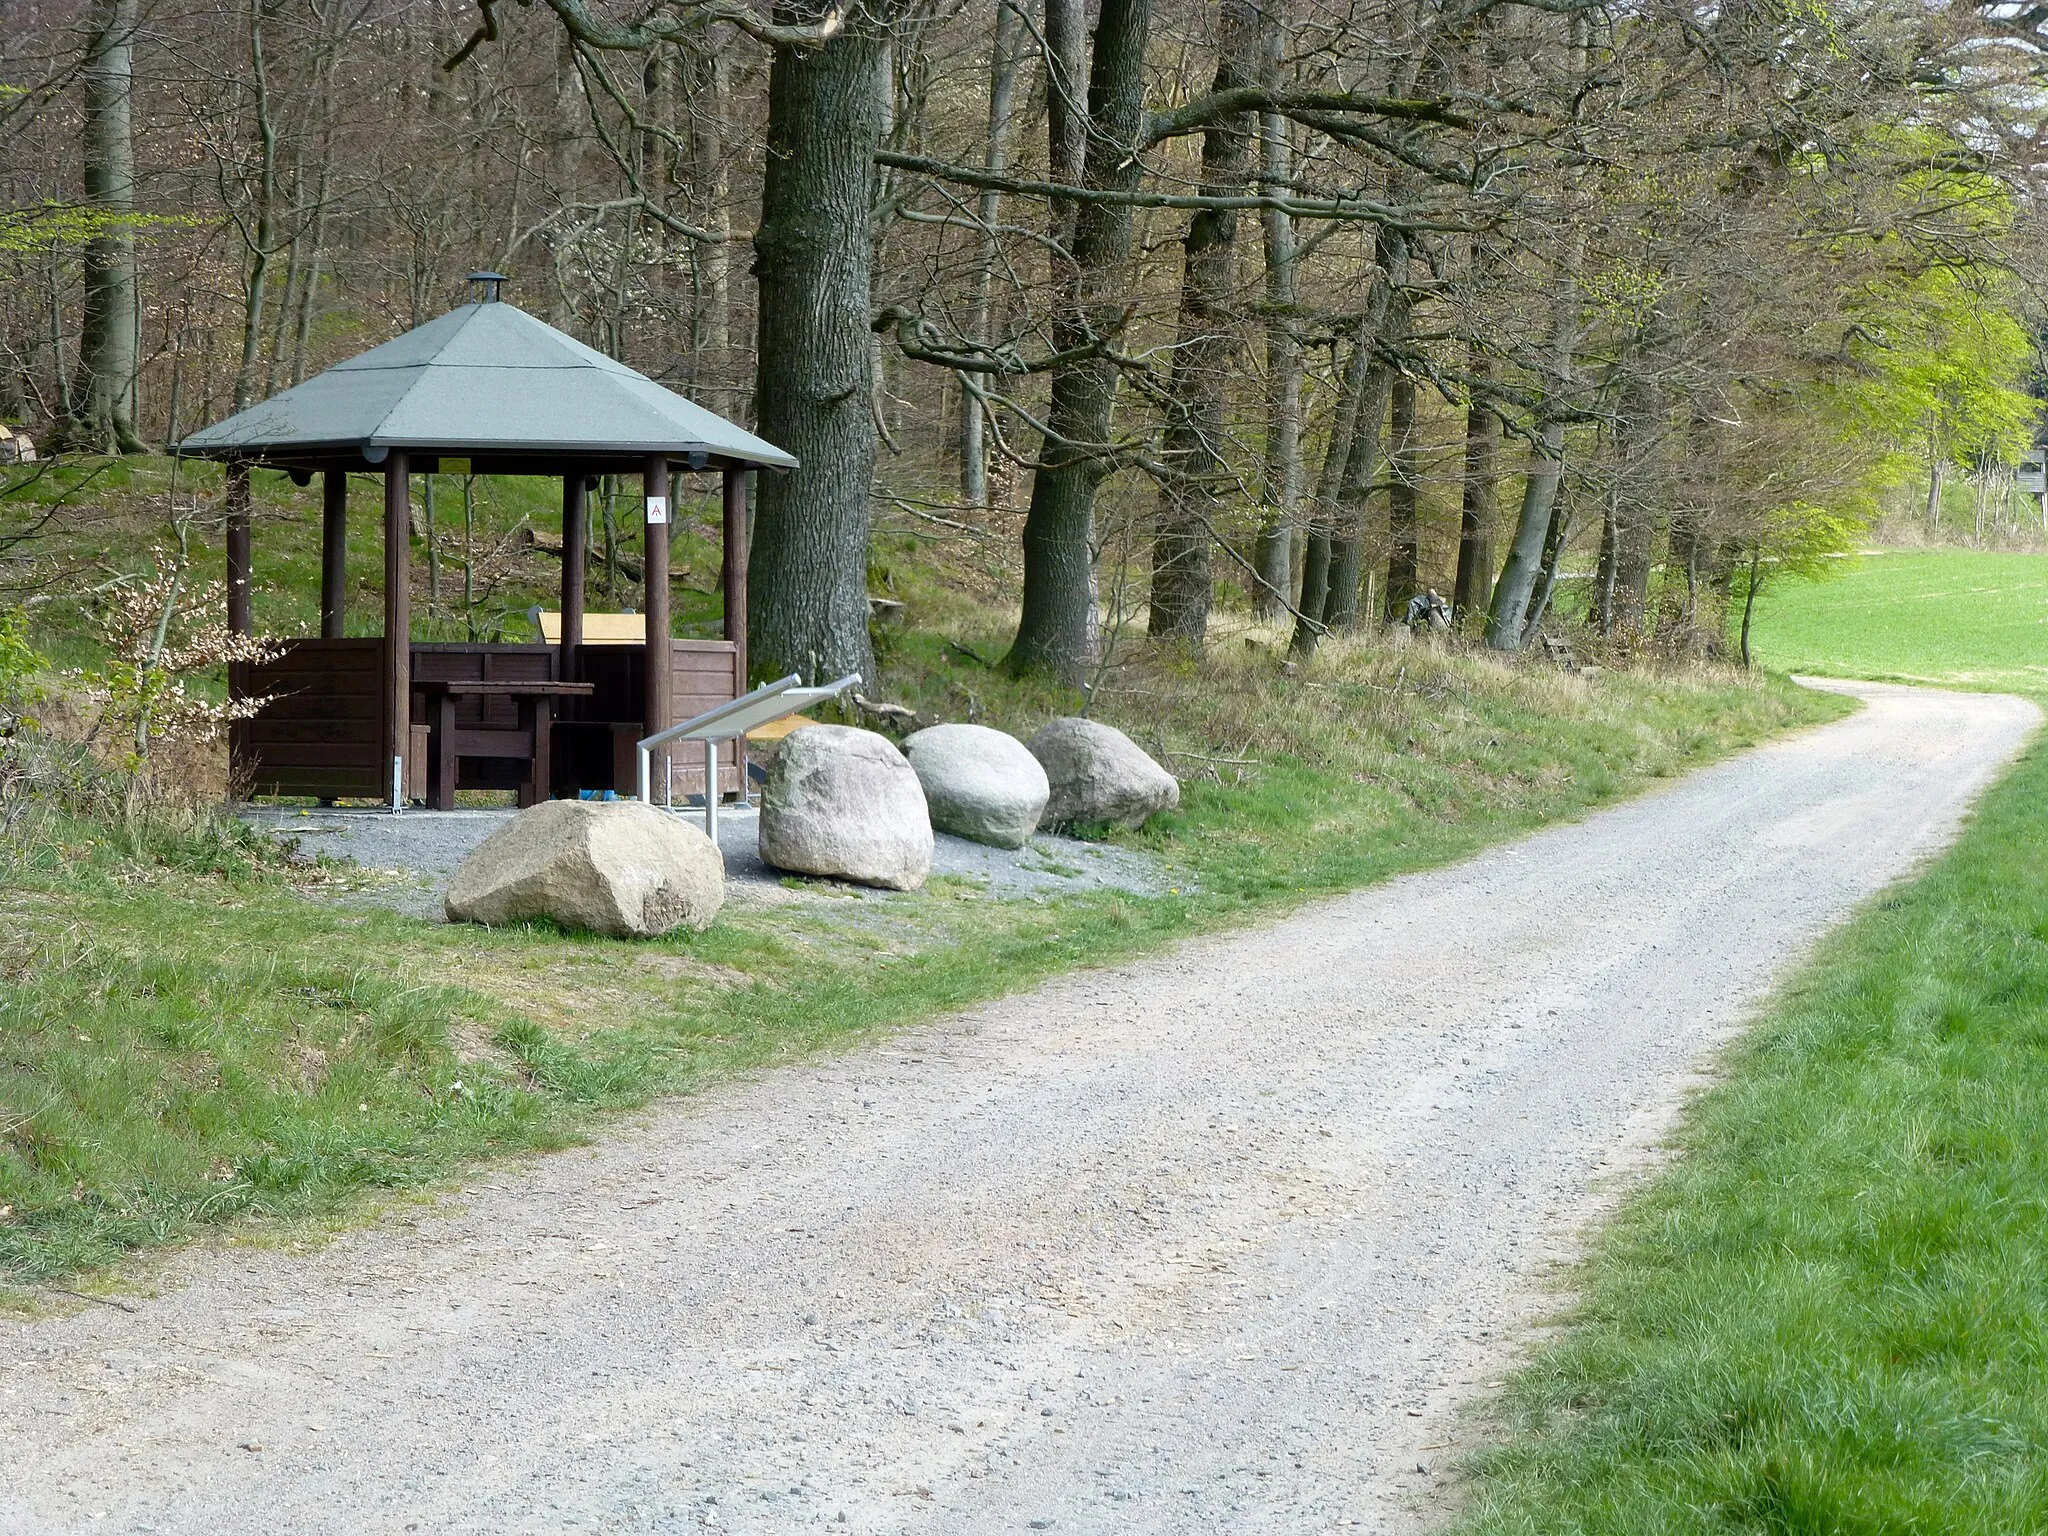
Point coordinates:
[[103, 399]]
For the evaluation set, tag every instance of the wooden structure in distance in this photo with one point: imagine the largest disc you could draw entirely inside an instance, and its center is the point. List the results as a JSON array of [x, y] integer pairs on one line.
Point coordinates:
[[487, 389]]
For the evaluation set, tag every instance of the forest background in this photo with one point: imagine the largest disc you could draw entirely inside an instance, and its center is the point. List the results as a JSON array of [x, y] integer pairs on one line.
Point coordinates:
[[1144, 314]]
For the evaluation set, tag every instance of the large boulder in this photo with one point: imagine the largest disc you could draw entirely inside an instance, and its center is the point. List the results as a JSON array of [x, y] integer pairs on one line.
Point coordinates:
[[1098, 774], [619, 868], [845, 803], [980, 784]]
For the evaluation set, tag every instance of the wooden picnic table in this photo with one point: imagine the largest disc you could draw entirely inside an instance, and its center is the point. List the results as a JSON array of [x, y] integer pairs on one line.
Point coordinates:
[[532, 739]]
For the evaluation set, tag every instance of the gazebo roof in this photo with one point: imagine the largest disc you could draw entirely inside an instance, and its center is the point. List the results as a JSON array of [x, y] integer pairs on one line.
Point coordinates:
[[484, 382]]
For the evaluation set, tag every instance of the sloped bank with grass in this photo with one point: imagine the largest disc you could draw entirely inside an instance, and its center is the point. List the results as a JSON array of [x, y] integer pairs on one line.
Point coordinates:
[[189, 1037], [1829, 1315]]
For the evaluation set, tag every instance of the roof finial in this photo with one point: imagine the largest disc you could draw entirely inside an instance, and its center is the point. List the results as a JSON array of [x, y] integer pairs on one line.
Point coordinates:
[[488, 284]]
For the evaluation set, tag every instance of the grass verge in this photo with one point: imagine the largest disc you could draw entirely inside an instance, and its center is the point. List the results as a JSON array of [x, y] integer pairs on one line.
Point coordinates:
[[188, 1034], [1830, 1316]]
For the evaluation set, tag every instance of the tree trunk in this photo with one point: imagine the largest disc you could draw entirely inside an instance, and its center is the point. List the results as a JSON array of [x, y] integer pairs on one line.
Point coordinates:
[[1066, 108], [103, 401], [1749, 600], [1057, 631], [1386, 323], [1273, 557], [1513, 593], [260, 234], [1555, 537], [708, 69], [1635, 534], [1600, 613], [1479, 508], [1002, 80], [1315, 570], [814, 386], [1347, 557], [1204, 354], [1404, 533], [309, 285]]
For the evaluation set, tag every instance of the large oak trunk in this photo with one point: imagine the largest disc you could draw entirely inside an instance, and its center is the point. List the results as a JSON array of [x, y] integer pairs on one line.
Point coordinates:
[[813, 258]]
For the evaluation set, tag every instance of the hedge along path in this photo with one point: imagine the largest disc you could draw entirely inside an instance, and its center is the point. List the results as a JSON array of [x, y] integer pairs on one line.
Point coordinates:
[[1214, 1241]]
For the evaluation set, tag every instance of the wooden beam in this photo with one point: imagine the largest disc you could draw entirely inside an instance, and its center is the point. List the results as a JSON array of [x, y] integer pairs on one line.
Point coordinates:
[[240, 620], [654, 566], [735, 575], [396, 686], [735, 581], [333, 553], [575, 538]]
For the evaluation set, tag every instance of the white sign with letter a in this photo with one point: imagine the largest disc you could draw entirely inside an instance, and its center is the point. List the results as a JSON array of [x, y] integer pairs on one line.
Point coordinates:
[[657, 509]]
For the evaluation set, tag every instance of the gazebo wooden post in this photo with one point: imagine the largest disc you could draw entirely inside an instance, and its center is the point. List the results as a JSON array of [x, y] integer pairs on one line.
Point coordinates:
[[240, 621], [575, 530], [333, 553], [397, 679], [735, 583], [736, 564], [660, 695]]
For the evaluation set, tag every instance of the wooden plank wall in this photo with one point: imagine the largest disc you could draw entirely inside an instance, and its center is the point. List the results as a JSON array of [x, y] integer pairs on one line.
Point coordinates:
[[322, 735], [322, 731], [704, 673]]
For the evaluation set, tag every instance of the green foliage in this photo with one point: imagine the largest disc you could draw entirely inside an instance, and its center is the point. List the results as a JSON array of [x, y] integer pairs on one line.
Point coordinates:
[[1937, 370], [66, 226], [1831, 1316], [22, 669]]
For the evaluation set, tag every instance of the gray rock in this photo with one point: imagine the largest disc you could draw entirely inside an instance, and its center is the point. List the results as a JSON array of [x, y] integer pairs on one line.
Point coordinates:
[[982, 785], [846, 804], [1098, 774], [622, 868]]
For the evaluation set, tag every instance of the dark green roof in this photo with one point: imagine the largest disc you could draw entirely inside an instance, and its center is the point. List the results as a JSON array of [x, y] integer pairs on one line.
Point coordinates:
[[485, 380]]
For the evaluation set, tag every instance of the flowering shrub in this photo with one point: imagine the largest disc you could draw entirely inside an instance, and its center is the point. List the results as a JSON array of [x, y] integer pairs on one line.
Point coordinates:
[[158, 635]]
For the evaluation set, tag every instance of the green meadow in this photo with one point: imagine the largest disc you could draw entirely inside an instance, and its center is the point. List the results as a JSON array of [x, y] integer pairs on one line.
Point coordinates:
[[1949, 616]]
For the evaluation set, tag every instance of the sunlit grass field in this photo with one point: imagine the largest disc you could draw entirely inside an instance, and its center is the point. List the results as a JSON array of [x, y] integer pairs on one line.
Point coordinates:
[[1914, 616]]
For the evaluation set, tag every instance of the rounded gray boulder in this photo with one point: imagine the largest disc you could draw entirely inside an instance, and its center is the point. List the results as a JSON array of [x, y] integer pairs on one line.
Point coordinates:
[[845, 804], [981, 784], [619, 868], [1098, 774]]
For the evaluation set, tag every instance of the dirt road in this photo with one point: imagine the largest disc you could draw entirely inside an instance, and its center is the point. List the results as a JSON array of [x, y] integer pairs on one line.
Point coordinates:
[[1213, 1242]]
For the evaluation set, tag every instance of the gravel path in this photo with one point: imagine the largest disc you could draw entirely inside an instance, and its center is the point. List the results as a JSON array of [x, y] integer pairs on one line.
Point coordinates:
[[1217, 1241]]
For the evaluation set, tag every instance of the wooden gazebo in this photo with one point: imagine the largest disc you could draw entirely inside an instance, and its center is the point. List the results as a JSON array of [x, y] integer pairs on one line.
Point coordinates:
[[485, 389]]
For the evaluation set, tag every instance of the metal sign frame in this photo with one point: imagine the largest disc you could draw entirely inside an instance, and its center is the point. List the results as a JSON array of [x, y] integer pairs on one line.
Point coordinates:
[[726, 721]]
